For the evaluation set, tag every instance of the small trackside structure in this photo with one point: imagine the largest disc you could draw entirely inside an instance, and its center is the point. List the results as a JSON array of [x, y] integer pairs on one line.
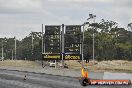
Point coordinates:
[[84, 80]]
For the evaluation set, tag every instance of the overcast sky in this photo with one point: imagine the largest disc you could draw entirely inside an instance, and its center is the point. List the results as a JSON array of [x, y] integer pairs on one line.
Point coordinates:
[[20, 17]]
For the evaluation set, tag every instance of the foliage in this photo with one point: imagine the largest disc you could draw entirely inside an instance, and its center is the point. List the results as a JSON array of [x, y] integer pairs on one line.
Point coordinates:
[[111, 42], [24, 48]]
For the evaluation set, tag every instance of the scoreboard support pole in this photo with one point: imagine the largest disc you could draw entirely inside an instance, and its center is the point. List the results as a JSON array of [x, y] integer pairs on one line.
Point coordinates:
[[63, 46], [83, 48], [55, 64], [42, 43]]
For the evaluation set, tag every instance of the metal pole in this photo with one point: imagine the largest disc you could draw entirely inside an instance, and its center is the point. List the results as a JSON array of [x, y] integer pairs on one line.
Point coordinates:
[[32, 45], [93, 42], [15, 48], [63, 45], [93, 45], [42, 44], [2, 51], [42, 40], [55, 64], [83, 47], [12, 54]]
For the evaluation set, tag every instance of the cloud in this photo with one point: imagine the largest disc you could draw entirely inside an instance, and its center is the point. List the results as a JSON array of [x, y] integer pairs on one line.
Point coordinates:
[[19, 17], [17, 6], [80, 0]]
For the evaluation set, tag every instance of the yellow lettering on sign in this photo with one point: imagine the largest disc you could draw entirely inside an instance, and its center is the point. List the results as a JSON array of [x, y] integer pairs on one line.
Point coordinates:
[[72, 57], [53, 57]]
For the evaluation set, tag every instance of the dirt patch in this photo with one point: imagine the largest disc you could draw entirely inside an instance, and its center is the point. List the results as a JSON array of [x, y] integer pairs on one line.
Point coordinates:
[[103, 66], [19, 63], [114, 65]]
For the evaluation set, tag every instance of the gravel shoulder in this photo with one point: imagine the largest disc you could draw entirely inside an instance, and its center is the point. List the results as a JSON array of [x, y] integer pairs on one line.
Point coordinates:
[[74, 67]]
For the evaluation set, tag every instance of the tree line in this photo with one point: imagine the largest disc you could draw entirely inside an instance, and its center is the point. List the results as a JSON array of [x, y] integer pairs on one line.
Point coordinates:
[[111, 42], [29, 48]]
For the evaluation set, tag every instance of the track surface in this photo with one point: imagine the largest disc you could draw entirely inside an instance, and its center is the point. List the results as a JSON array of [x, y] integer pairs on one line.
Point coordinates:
[[15, 79]]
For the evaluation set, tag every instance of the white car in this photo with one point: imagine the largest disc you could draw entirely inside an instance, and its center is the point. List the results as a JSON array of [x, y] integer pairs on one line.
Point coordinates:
[[52, 64]]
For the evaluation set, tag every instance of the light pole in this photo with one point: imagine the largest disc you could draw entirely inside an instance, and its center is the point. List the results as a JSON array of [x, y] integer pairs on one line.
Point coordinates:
[[42, 43], [2, 51], [91, 16], [85, 23], [63, 45], [83, 46], [42, 39], [32, 44], [15, 48], [12, 54]]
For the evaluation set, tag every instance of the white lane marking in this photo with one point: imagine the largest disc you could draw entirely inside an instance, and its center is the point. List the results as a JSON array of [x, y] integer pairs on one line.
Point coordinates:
[[110, 75]]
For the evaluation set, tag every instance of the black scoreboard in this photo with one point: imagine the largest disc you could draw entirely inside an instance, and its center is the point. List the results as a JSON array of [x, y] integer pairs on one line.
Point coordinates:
[[73, 36], [52, 39], [53, 42]]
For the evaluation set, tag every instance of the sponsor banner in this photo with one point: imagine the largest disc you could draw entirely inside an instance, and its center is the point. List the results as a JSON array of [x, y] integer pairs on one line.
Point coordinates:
[[110, 82], [47, 56], [72, 56]]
